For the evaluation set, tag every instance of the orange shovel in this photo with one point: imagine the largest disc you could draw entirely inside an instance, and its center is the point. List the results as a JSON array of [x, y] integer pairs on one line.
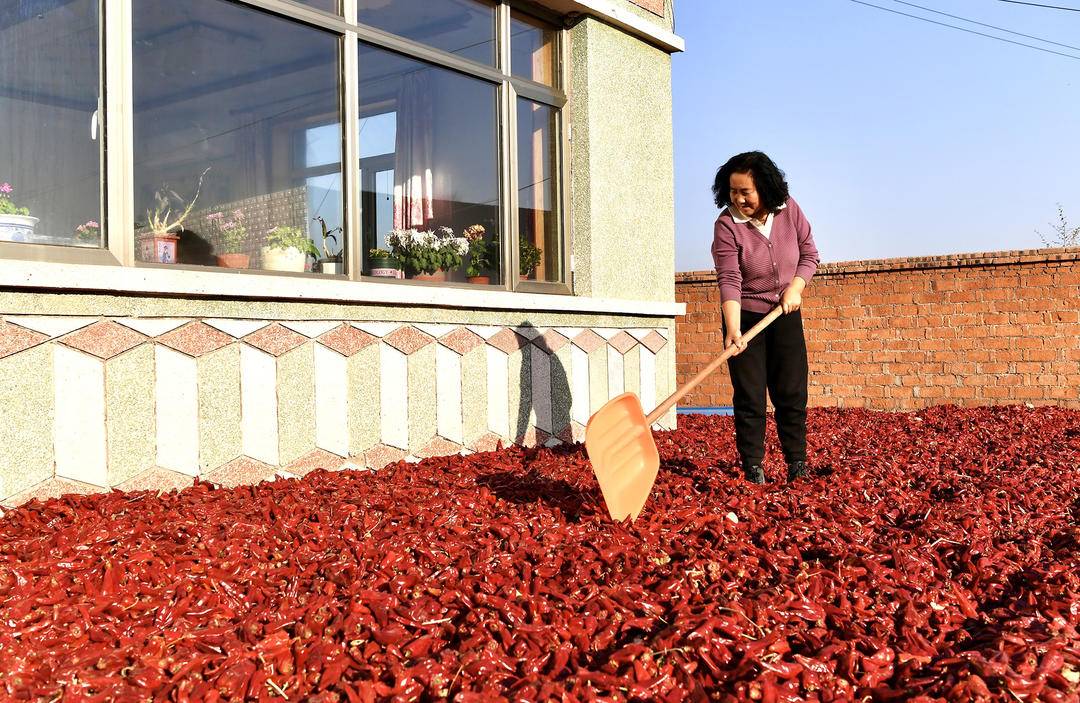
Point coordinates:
[[619, 441]]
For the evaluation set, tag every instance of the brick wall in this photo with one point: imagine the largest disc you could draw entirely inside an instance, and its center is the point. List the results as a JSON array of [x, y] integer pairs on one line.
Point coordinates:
[[900, 334]]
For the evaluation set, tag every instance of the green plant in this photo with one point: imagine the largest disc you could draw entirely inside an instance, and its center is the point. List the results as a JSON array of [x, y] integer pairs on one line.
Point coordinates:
[[6, 206], [328, 234], [482, 253], [427, 251], [528, 256], [161, 219], [375, 254], [1066, 236], [283, 237]]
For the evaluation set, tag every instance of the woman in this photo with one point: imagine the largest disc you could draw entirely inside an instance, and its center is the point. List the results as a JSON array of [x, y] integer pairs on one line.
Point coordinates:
[[765, 256]]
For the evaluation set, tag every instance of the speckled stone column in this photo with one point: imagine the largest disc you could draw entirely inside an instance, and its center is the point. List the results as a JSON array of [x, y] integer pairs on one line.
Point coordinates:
[[347, 391], [219, 407], [26, 406], [518, 389], [665, 374], [130, 414], [557, 347], [632, 371], [198, 399], [364, 400], [105, 408], [471, 350], [278, 395], [595, 346], [653, 372], [420, 397], [296, 403]]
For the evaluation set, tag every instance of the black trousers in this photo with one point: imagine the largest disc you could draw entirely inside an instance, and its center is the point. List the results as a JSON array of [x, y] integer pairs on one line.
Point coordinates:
[[774, 360]]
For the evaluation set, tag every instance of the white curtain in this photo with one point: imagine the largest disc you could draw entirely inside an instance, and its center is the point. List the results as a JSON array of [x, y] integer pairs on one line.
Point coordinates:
[[413, 182]]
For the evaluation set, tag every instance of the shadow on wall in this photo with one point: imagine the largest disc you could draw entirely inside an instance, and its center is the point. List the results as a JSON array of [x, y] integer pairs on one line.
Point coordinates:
[[545, 390]]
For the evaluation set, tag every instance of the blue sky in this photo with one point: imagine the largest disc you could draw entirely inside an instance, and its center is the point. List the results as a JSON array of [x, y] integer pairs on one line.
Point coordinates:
[[898, 137]]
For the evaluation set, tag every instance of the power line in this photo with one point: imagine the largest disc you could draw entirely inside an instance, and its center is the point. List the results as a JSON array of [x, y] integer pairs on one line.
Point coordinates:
[[969, 31], [1049, 7], [983, 24]]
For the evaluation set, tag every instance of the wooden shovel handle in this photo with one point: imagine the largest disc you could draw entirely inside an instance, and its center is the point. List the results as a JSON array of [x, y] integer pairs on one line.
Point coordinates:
[[692, 383]]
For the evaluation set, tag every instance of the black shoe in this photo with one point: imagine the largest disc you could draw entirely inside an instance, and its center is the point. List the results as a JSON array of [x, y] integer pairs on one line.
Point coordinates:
[[796, 469], [754, 474]]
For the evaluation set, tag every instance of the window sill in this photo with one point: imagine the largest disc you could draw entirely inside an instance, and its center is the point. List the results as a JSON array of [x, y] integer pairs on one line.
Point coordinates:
[[38, 275]]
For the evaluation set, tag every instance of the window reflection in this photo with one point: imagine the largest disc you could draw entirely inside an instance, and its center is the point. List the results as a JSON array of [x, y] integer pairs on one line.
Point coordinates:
[[462, 27], [532, 49], [539, 252], [237, 138], [50, 136], [325, 5], [429, 154]]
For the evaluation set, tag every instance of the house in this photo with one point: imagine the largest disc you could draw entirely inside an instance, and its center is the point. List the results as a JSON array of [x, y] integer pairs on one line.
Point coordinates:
[[193, 193]]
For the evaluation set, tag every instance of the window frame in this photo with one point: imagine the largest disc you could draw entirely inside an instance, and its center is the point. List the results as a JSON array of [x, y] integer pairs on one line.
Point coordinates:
[[115, 120]]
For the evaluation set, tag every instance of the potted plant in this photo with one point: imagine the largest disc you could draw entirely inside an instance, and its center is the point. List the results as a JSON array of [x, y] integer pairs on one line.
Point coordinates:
[[330, 263], [158, 244], [482, 254], [383, 264], [287, 249], [528, 257], [16, 223], [88, 234], [427, 255], [232, 234]]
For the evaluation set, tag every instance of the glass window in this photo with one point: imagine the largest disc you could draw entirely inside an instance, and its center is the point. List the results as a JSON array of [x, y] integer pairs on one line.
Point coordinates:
[[532, 49], [539, 251], [462, 27], [236, 130], [429, 160], [326, 5], [50, 153]]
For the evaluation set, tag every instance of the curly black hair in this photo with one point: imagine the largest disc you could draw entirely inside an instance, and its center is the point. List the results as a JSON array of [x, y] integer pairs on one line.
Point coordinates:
[[768, 179]]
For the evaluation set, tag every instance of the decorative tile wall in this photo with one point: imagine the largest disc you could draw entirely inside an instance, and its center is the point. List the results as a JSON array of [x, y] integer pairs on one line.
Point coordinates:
[[94, 403]]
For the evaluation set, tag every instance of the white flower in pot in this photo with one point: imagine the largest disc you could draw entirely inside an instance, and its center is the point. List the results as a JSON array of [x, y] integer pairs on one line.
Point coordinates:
[[16, 223], [287, 249]]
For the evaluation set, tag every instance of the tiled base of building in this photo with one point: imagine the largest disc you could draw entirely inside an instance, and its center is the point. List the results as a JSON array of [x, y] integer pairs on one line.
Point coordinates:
[[151, 403]]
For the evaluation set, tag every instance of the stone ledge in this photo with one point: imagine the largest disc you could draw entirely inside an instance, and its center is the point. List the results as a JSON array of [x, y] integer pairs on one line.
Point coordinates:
[[41, 276]]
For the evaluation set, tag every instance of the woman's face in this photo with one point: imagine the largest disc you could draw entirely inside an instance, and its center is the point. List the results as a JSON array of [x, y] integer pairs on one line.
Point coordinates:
[[744, 195]]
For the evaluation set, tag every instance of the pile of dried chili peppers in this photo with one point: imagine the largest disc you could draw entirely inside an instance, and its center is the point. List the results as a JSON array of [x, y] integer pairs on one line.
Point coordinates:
[[931, 555]]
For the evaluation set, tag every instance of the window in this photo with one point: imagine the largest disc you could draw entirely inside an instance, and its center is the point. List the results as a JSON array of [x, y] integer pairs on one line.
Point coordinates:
[[333, 6], [532, 49], [433, 135], [219, 90], [50, 150], [538, 227], [465, 28], [229, 145]]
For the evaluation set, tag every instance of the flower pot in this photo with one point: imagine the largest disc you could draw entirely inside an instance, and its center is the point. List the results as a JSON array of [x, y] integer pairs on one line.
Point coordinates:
[[291, 259], [17, 228], [233, 261], [384, 268], [439, 276], [480, 280], [158, 248], [331, 267]]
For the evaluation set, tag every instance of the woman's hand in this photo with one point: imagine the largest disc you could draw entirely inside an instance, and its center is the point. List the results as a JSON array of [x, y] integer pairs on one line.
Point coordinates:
[[732, 319], [734, 338], [791, 300]]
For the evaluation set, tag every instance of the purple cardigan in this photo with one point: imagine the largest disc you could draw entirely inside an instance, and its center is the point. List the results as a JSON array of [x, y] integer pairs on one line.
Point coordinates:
[[755, 269]]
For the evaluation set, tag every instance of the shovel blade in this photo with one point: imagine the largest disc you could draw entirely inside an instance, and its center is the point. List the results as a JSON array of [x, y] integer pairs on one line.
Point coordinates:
[[620, 446]]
